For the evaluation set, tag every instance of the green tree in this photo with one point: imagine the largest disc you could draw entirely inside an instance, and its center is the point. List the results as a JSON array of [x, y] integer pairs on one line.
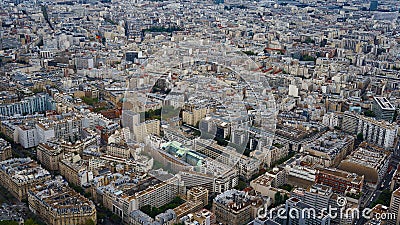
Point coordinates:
[[278, 198], [286, 187], [384, 198], [30, 222], [369, 113], [337, 128], [249, 53], [115, 219], [8, 222], [241, 185], [360, 137], [89, 222], [285, 197], [307, 58]]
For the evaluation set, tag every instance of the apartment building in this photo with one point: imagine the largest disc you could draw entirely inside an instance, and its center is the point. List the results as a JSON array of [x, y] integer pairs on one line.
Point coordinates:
[[340, 181], [58, 204], [5, 150], [74, 170], [383, 109], [193, 116], [142, 130], [235, 207], [29, 105], [198, 194], [378, 132], [27, 136], [369, 161], [274, 153], [159, 189], [395, 207], [49, 155], [318, 196], [329, 149], [295, 205], [119, 150], [19, 175]]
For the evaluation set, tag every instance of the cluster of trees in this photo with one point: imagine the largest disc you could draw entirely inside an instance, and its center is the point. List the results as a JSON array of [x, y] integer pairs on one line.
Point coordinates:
[[279, 199], [166, 112], [241, 185], [37, 90], [383, 199], [154, 211], [282, 160], [103, 213], [31, 222], [90, 101], [249, 52], [162, 29], [369, 113], [235, 6], [8, 222], [307, 58], [286, 187], [355, 196], [152, 114], [308, 40]]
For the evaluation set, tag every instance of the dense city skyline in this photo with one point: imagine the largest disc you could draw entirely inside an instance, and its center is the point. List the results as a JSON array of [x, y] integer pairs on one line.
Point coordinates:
[[153, 112]]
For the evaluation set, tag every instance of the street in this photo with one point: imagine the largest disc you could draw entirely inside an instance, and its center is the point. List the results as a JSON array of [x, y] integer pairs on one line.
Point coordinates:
[[383, 185]]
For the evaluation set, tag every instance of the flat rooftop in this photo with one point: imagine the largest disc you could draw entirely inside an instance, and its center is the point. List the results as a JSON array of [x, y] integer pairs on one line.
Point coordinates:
[[384, 103], [351, 177]]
